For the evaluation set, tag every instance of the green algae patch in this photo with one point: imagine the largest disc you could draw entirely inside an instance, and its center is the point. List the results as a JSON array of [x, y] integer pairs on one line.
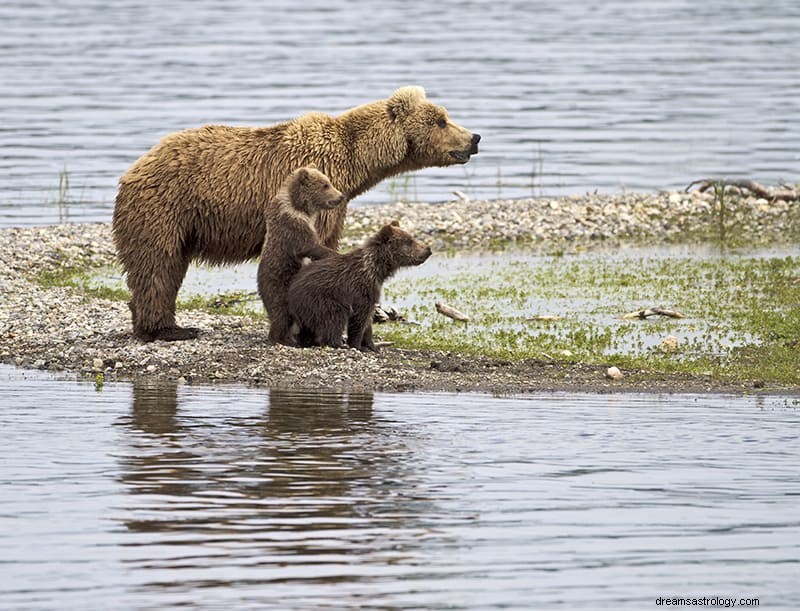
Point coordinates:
[[83, 280], [742, 311]]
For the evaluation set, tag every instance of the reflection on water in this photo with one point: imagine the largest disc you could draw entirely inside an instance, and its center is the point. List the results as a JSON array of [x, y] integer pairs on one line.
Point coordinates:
[[156, 495], [568, 96], [301, 489]]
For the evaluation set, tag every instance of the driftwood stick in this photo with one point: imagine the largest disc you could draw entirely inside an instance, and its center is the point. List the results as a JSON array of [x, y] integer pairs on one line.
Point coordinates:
[[786, 193], [451, 312], [647, 312]]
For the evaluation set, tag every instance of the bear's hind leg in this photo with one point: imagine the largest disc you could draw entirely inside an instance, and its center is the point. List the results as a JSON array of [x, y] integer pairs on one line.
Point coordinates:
[[273, 296], [154, 290], [280, 328], [329, 330]]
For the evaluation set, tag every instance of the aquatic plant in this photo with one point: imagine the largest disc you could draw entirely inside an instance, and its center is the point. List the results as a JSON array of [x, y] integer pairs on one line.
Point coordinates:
[[719, 195], [62, 197], [402, 188]]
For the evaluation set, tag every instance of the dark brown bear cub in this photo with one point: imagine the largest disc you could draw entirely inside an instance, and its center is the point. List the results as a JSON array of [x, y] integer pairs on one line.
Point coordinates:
[[291, 237], [341, 291]]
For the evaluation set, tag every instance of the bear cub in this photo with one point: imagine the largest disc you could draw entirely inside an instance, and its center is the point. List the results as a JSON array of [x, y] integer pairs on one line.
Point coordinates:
[[291, 237], [341, 291]]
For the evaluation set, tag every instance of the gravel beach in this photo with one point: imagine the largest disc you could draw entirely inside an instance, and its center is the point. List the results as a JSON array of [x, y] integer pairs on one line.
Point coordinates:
[[60, 329]]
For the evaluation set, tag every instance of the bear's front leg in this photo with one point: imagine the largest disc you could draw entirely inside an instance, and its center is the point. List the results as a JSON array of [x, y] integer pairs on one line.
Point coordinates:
[[359, 329], [367, 343]]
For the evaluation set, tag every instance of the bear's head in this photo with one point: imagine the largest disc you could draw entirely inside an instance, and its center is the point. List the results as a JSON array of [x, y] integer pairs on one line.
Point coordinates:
[[311, 191], [399, 248], [432, 138]]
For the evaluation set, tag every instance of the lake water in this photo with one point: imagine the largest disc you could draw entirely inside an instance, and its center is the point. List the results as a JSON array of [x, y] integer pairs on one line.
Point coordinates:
[[568, 96], [145, 496]]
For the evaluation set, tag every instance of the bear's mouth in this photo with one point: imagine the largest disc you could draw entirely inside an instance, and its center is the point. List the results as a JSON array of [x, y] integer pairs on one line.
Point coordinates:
[[463, 155]]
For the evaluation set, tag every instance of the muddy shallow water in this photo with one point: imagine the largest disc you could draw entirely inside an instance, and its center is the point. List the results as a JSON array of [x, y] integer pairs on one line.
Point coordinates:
[[159, 495]]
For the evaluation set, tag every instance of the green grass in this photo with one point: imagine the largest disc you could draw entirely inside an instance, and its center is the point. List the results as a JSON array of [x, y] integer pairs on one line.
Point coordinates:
[[82, 280], [95, 283], [743, 313]]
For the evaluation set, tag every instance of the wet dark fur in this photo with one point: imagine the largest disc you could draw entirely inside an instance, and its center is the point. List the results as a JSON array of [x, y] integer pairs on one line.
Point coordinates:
[[291, 237], [340, 292]]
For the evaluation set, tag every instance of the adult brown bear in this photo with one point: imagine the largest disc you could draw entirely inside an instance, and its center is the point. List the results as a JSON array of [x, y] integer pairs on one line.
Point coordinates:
[[200, 193]]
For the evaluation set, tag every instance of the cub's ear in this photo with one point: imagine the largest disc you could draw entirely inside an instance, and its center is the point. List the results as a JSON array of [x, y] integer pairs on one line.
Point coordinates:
[[385, 234], [303, 175], [404, 100], [395, 223]]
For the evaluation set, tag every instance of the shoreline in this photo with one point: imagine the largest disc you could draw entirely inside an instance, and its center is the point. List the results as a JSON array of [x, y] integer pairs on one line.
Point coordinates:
[[58, 328]]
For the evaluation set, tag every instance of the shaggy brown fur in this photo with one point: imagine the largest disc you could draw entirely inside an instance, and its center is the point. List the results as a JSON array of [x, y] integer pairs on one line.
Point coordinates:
[[200, 193], [290, 237], [341, 291]]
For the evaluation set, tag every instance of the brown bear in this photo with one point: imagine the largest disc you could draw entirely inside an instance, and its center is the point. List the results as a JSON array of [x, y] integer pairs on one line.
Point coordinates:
[[291, 237], [341, 291], [200, 193]]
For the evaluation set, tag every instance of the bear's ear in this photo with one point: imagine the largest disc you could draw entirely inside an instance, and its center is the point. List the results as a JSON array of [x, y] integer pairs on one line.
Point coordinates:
[[385, 234], [395, 223], [404, 100], [302, 175]]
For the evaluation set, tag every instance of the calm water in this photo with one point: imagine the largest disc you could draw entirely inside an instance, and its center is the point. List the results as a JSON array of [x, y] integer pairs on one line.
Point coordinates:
[[146, 497], [568, 96]]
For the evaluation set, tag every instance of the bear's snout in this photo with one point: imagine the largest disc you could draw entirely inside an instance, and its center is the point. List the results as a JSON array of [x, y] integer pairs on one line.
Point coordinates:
[[424, 254], [334, 203], [462, 155], [474, 148]]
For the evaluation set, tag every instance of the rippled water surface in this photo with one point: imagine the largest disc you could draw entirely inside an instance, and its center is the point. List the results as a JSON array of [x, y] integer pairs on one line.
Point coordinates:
[[568, 96], [138, 496]]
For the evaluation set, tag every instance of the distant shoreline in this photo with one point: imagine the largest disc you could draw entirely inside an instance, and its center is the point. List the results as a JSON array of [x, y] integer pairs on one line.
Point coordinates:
[[59, 328]]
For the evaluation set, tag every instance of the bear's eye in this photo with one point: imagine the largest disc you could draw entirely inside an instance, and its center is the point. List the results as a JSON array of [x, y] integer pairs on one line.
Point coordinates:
[[441, 123]]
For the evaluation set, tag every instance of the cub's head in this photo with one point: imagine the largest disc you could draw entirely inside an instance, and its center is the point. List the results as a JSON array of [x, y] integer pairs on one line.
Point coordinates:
[[399, 248], [433, 139], [311, 191]]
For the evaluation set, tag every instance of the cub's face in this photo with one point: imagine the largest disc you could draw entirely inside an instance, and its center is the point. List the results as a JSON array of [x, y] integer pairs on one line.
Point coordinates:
[[312, 191], [405, 250], [433, 138]]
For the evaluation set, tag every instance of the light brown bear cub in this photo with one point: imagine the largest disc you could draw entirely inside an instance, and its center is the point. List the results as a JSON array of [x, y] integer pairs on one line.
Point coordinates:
[[200, 194], [339, 292], [291, 237]]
